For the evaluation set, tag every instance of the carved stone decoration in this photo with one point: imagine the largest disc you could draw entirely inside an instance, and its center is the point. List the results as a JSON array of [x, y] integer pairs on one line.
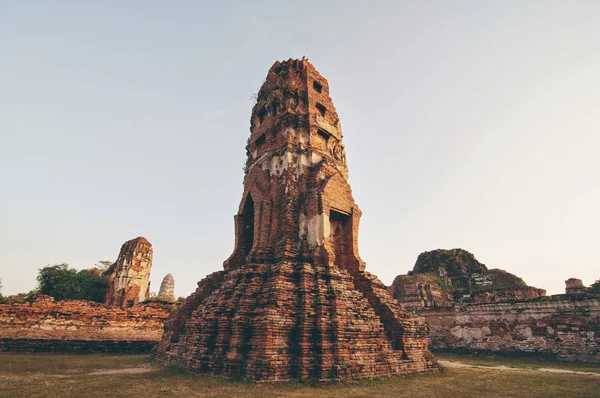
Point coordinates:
[[129, 276], [294, 301]]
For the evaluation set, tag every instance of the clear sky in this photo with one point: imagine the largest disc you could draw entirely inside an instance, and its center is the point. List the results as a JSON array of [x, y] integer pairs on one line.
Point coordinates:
[[471, 124]]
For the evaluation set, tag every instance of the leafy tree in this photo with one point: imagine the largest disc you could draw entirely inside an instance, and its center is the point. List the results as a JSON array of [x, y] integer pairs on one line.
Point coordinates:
[[1, 297], [64, 283], [595, 288]]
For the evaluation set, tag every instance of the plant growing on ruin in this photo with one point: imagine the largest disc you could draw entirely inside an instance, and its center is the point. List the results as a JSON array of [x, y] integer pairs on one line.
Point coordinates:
[[595, 287]]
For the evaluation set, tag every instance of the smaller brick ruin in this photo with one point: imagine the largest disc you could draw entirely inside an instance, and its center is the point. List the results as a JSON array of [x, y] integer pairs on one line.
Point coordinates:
[[574, 286], [127, 322], [80, 326], [129, 276], [470, 309], [443, 278]]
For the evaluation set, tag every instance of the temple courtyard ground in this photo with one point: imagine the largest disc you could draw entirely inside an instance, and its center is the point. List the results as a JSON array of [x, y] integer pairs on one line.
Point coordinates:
[[100, 375]]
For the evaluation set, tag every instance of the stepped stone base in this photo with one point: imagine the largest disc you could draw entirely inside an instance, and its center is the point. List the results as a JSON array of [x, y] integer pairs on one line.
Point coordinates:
[[294, 321]]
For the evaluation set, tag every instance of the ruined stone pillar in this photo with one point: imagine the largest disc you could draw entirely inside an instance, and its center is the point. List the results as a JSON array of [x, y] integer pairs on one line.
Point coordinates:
[[129, 276]]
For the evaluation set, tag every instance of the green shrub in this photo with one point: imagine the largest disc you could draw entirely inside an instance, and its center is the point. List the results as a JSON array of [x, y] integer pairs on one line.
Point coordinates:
[[64, 283]]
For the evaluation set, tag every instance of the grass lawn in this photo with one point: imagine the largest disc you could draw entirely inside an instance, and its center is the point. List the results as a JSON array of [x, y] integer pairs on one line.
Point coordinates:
[[100, 375]]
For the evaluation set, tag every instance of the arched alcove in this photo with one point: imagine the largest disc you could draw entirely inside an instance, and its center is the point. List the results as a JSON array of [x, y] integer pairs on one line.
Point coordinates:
[[248, 225]]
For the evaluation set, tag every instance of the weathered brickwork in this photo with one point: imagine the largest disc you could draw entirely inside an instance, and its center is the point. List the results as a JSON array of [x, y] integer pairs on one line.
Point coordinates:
[[77, 325], [561, 327], [129, 276], [294, 301], [469, 308], [574, 286], [444, 278]]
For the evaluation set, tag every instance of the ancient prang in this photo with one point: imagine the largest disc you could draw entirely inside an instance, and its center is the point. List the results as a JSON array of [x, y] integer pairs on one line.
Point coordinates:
[[294, 301], [167, 288], [129, 276]]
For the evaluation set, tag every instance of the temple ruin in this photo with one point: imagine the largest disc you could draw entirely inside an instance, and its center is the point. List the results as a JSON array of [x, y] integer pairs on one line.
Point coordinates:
[[574, 286], [167, 288], [129, 276], [472, 309], [294, 301], [126, 322], [442, 278]]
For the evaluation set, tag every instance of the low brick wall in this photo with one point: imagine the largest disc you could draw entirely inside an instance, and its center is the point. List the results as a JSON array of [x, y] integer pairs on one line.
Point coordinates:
[[46, 325], [77, 346], [562, 327]]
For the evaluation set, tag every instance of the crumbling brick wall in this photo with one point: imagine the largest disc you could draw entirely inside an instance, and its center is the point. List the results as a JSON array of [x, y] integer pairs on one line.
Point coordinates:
[[80, 325], [561, 327]]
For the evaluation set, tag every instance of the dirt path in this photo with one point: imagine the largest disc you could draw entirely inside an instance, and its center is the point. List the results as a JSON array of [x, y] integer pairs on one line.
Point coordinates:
[[131, 371], [450, 364]]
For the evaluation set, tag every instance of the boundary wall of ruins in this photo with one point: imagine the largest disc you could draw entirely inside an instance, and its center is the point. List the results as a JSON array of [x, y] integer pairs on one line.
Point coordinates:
[[560, 327], [46, 325]]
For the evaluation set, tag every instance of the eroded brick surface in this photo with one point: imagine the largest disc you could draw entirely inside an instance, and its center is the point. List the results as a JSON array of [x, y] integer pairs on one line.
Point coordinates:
[[562, 327], [469, 308], [129, 276], [294, 301], [445, 278], [80, 325]]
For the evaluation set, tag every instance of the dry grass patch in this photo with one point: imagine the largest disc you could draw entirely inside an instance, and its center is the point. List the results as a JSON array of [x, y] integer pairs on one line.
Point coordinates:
[[56, 375]]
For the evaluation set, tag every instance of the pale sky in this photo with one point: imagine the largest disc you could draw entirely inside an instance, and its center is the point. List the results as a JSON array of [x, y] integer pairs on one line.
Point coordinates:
[[471, 124]]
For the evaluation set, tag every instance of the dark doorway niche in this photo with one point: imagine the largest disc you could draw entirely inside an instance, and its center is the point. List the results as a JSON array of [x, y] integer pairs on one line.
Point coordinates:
[[321, 108], [261, 114], [260, 140], [324, 134], [340, 237], [248, 225], [318, 88]]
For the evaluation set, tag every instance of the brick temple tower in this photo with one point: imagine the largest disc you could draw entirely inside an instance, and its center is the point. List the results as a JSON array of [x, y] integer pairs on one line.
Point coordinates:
[[297, 202], [294, 301], [129, 276]]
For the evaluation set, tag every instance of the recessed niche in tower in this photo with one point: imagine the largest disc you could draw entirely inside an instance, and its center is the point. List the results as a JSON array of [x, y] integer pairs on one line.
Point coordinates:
[[260, 140], [261, 114], [340, 237], [321, 109], [324, 134], [318, 88], [248, 225]]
